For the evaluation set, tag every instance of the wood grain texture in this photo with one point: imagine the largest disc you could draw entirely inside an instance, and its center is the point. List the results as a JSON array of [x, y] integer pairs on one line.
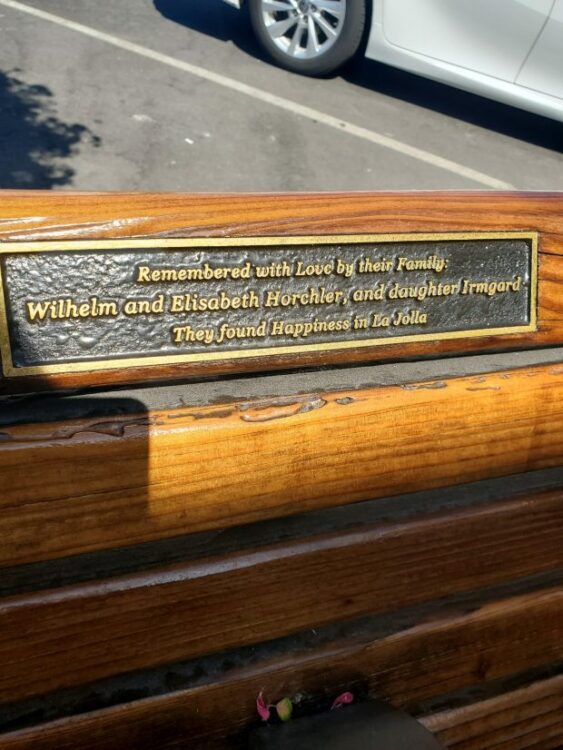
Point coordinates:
[[88, 484], [445, 654], [32, 216], [81, 633], [520, 720]]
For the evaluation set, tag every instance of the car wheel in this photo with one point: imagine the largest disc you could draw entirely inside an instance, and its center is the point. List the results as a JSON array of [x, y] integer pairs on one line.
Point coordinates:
[[312, 37]]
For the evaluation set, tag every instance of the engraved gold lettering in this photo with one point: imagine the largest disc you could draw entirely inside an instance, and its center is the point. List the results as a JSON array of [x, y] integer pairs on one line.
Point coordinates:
[[180, 303], [380, 321], [66, 308], [227, 332], [410, 318], [207, 272], [344, 268], [144, 306], [204, 299], [359, 324], [422, 291], [187, 334], [274, 270], [37, 310], [375, 265], [314, 269], [302, 329], [491, 288], [430, 263], [369, 295], [313, 296]]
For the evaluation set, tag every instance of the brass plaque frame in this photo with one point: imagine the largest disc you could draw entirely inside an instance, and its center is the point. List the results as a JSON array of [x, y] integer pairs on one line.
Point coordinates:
[[9, 370]]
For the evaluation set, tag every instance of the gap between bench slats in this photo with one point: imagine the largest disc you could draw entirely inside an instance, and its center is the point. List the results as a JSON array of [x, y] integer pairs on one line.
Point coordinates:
[[64, 637], [428, 660]]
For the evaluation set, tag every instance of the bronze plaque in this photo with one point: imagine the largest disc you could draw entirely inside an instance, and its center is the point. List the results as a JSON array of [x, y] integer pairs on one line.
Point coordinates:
[[94, 305]]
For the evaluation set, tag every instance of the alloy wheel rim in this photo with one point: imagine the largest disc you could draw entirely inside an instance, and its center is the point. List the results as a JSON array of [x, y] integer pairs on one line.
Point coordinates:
[[303, 29]]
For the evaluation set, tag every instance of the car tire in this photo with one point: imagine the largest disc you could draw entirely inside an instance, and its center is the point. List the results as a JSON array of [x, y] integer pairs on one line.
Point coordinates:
[[336, 36]]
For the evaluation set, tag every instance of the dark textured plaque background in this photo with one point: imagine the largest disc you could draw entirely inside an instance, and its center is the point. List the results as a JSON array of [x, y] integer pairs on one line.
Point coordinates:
[[110, 274]]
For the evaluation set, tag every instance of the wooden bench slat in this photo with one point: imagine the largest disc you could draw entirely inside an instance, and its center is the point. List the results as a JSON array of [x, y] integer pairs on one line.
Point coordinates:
[[77, 634], [531, 717], [451, 652], [38, 216], [173, 472], [52, 216]]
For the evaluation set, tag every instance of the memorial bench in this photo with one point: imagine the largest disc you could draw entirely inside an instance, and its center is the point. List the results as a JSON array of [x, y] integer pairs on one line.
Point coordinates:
[[188, 526]]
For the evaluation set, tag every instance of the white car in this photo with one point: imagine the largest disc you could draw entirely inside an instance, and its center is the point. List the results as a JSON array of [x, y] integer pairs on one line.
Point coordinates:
[[509, 50]]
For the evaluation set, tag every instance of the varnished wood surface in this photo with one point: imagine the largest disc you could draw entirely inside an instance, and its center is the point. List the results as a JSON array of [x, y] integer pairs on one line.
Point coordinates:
[[431, 659], [531, 717], [81, 485], [67, 636], [33, 216]]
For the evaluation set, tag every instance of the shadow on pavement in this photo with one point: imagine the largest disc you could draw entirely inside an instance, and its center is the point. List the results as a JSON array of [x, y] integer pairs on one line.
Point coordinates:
[[34, 142], [213, 18], [217, 19], [452, 102]]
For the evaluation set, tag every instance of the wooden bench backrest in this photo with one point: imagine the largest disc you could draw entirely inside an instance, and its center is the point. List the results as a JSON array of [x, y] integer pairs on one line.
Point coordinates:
[[168, 553]]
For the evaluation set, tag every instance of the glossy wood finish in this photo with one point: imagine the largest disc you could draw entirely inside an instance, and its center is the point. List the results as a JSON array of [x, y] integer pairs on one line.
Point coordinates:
[[82, 485], [60, 638], [451, 652], [90, 484], [32, 216], [531, 717]]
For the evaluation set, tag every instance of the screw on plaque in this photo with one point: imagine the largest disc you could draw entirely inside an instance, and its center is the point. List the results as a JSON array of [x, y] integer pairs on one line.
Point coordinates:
[[373, 725]]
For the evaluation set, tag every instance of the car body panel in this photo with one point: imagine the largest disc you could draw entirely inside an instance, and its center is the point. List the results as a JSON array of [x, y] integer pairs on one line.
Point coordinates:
[[477, 83], [487, 36], [518, 59], [543, 70]]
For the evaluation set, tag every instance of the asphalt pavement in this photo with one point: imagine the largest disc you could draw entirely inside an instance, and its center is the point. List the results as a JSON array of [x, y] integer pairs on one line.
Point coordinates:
[[175, 95]]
